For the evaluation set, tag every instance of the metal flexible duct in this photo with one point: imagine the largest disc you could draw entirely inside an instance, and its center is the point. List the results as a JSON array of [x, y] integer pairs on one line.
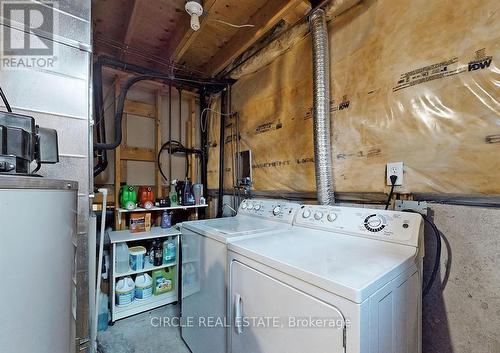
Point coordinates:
[[321, 108]]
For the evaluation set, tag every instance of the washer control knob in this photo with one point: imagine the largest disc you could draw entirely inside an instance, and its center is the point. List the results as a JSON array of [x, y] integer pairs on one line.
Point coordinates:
[[306, 213], [243, 205], [257, 207], [375, 223], [276, 210], [331, 217], [250, 206], [318, 215]]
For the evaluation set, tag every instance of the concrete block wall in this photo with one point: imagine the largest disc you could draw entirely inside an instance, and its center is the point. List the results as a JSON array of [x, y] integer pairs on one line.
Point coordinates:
[[58, 97], [461, 313]]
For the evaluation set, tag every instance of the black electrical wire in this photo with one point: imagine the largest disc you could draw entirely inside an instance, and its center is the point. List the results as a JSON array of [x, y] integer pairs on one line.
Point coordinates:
[[437, 259], [38, 166], [175, 147], [5, 101], [393, 179]]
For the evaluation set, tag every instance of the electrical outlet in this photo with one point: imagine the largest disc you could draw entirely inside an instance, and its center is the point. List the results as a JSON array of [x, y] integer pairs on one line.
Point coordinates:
[[397, 170]]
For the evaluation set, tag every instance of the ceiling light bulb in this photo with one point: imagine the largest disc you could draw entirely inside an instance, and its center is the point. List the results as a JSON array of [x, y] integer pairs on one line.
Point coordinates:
[[195, 22], [195, 10]]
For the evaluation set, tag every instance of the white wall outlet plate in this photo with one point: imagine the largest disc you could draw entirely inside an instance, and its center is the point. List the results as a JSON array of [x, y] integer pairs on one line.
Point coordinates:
[[396, 169]]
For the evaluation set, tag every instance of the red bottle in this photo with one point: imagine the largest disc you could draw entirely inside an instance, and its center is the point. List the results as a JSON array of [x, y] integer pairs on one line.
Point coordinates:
[[146, 197]]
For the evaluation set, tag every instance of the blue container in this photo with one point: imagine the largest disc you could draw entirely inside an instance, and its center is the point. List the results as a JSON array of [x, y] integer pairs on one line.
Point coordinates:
[[137, 257], [166, 220]]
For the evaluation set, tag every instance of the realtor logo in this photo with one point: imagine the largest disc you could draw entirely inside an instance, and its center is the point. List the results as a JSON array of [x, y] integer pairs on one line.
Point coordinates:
[[27, 34]]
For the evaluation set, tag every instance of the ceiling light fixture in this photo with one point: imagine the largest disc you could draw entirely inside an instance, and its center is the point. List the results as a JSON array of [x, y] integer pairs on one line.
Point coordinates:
[[195, 9]]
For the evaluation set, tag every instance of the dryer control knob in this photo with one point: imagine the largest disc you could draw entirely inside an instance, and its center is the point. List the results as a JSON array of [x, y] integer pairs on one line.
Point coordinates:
[[257, 207], [331, 217], [318, 215], [306, 213], [250, 206], [276, 210], [243, 205]]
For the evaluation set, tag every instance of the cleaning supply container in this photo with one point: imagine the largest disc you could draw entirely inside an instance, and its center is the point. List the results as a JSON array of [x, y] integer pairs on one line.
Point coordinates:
[[125, 288], [128, 197], [166, 220], [137, 257], [103, 317], [163, 280], [169, 250], [146, 197], [122, 258], [143, 286]]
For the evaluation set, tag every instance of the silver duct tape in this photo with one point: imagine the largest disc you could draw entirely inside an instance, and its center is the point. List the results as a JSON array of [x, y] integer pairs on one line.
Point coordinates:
[[321, 108]]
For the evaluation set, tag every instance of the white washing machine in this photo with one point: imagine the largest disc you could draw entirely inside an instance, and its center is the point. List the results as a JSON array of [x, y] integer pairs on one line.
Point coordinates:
[[204, 267], [343, 280]]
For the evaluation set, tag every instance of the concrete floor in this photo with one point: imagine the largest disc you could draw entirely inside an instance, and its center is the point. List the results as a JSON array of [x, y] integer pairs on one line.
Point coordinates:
[[142, 334]]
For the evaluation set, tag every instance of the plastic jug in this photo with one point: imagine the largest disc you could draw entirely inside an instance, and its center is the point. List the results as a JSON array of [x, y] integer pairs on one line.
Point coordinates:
[[143, 286], [128, 197], [169, 250], [163, 280], [122, 258], [103, 318], [146, 197], [125, 289]]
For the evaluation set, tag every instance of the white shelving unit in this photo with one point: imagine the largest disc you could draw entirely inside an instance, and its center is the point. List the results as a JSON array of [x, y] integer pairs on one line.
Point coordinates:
[[139, 209], [155, 301]]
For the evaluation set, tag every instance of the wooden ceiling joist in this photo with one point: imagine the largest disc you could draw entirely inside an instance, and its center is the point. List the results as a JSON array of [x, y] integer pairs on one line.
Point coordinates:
[[183, 40], [131, 24], [263, 20], [156, 34]]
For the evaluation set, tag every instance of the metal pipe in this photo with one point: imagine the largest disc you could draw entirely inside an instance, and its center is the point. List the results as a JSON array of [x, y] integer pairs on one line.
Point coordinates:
[[180, 114], [224, 111], [147, 75], [170, 133], [321, 108], [204, 149]]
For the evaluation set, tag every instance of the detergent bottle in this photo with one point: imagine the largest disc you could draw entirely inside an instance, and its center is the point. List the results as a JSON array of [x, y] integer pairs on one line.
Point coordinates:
[[128, 199], [187, 194], [146, 197], [169, 250], [163, 280]]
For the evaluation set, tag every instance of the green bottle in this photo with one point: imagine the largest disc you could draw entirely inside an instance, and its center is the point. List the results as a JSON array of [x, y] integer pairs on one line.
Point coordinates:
[[128, 199]]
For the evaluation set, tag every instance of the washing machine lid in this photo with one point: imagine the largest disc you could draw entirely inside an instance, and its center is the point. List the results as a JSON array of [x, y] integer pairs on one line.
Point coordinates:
[[350, 267], [225, 229]]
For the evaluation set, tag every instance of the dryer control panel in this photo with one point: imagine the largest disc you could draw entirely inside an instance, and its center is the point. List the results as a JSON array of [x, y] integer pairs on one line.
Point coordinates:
[[269, 209], [393, 226]]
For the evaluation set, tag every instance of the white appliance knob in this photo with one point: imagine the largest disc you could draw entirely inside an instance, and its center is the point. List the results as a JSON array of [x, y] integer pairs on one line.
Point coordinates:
[[243, 205], [331, 217], [276, 210], [318, 215], [306, 213], [257, 207], [250, 206]]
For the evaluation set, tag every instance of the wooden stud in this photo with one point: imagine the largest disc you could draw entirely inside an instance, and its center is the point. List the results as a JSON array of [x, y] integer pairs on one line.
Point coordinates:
[[131, 24], [118, 169], [129, 153], [139, 109]]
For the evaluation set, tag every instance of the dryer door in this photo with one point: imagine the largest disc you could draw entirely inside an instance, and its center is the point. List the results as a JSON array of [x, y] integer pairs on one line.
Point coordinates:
[[269, 316]]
